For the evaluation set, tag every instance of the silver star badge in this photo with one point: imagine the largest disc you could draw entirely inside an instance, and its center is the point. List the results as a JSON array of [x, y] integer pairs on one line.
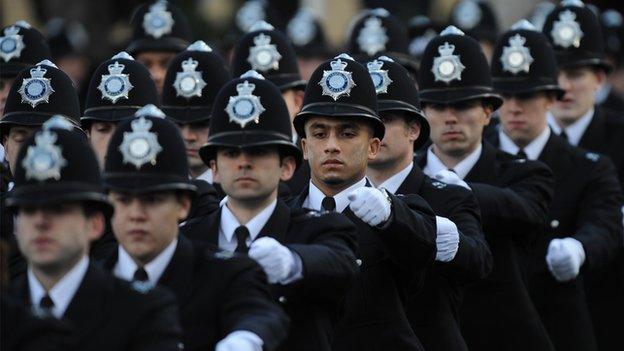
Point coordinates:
[[250, 13], [566, 31], [244, 107], [44, 160], [516, 57], [189, 82], [140, 146], [158, 21], [447, 67], [36, 89], [380, 77], [115, 85], [372, 38], [11, 44], [467, 14], [263, 56], [337, 82], [301, 29]]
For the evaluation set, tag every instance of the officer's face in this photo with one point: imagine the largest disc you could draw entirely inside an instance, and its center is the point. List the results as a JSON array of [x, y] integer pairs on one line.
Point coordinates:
[[523, 117], [5, 86], [13, 142], [146, 224], [252, 174], [53, 238], [580, 85], [338, 150], [157, 63], [294, 101], [398, 142], [100, 134], [195, 135], [456, 130]]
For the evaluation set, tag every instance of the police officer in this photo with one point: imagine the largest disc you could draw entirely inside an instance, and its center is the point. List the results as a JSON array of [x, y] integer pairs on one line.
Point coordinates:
[[118, 88], [223, 299], [341, 132], [458, 99], [611, 94], [160, 31], [584, 227], [61, 209], [575, 34], [463, 255], [420, 30], [306, 33], [307, 256], [478, 20]]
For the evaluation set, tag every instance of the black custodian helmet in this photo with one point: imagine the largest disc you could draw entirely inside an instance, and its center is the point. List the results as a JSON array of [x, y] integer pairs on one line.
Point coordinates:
[[454, 69], [249, 111], [144, 155], [268, 52], [118, 88], [21, 46], [159, 26], [524, 62], [306, 34], [476, 18], [193, 80]]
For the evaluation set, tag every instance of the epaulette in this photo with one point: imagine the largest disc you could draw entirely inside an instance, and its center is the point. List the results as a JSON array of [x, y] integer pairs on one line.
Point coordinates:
[[592, 156]]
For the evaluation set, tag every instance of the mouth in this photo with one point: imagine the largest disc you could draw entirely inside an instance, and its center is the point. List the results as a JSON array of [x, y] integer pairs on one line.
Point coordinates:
[[137, 234], [192, 152], [516, 124], [43, 241], [245, 179], [450, 135]]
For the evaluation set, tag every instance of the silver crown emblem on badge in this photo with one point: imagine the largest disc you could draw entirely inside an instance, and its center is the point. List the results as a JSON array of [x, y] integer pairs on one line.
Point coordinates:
[[11, 44], [115, 85], [372, 38], [36, 89], [199, 45], [140, 146], [189, 82], [263, 56], [158, 21], [245, 107], [44, 160], [516, 57], [447, 67], [337, 82], [566, 31], [301, 29], [380, 77]]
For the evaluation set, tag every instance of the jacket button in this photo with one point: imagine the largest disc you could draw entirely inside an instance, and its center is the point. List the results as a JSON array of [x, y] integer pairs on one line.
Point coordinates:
[[554, 223], [358, 262], [282, 299]]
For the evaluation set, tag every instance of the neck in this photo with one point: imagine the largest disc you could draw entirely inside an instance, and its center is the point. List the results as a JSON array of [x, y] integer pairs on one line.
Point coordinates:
[[49, 276], [566, 122], [378, 175], [245, 209], [450, 161], [196, 172], [333, 189]]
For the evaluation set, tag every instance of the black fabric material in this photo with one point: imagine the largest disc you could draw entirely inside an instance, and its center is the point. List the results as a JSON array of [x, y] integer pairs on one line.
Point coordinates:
[[140, 275], [241, 233], [328, 204]]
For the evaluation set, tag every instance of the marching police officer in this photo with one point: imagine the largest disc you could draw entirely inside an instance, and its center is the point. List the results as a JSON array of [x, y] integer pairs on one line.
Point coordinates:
[[220, 297], [61, 209], [584, 227], [463, 255], [308, 38], [478, 20], [458, 99], [118, 88], [160, 31], [611, 94], [341, 131], [308, 256]]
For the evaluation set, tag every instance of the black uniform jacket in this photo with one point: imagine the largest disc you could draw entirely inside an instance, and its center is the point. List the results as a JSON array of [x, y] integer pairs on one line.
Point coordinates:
[[391, 257], [513, 196], [325, 243], [433, 311], [108, 314]]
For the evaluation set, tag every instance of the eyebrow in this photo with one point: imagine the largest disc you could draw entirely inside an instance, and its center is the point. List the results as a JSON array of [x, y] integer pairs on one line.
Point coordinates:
[[340, 125]]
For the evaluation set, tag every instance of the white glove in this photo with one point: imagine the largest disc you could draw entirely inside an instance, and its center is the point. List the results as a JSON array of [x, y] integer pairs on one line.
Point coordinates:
[[240, 340], [449, 177], [276, 259], [447, 239], [371, 205], [565, 258]]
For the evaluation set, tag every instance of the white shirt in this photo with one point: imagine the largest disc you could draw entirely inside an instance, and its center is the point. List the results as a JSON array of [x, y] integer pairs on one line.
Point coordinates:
[[575, 130], [63, 291], [532, 150], [229, 223], [206, 176], [602, 93], [435, 165], [393, 183], [125, 266], [315, 197]]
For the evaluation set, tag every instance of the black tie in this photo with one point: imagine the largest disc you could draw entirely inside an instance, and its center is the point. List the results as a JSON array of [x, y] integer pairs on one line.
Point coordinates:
[[140, 275], [242, 233], [46, 304], [328, 204], [563, 135], [522, 154]]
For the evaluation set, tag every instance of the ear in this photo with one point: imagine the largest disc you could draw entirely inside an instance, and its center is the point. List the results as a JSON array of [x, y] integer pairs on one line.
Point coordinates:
[[304, 148], [289, 164], [184, 207], [96, 224], [373, 148], [413, 130], [488, 110], [215, 170], [601, 76], [299, 94]]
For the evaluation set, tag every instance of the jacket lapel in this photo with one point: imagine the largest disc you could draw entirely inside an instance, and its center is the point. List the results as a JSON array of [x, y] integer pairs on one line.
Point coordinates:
[[413, 182], [277, 225], [593, 138], [179, 272], [484, 170]]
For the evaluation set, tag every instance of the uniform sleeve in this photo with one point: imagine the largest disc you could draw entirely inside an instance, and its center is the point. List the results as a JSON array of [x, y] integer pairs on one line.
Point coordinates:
[[158, 328]]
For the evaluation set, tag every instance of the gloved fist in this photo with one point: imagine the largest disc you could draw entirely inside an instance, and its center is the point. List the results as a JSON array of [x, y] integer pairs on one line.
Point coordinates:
[[565, 258], [276, 259], [371, 205], [447, 239], [449, 177], [240, 340]]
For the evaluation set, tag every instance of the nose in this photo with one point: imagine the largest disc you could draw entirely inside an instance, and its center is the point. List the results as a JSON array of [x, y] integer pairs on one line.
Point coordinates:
[[331, 144], [564, 82], [244, 160], [187, 133], [512, 105], [136, 210]]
